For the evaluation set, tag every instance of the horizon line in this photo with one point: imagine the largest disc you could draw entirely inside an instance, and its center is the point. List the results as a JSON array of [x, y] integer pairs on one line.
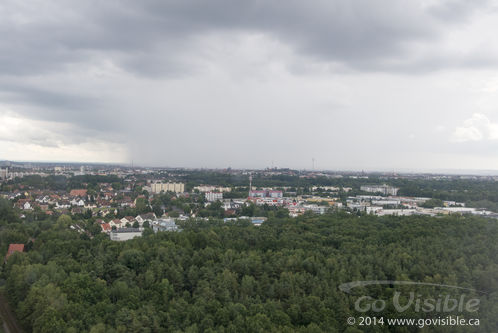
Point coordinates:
[[437, 171]]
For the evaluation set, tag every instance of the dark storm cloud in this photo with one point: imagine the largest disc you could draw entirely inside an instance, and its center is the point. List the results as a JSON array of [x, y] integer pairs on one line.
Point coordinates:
[[158, 38], [355, 33], [141, 35], [170, 80]]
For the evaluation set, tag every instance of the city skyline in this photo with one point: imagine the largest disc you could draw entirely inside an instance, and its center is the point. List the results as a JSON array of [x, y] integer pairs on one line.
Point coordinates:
[[6, 164]]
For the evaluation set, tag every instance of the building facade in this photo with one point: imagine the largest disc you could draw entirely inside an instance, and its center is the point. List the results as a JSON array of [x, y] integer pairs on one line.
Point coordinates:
[[167, 187], [213, 196], [384, 189], [210, 188], [265, 194], [4, 174]]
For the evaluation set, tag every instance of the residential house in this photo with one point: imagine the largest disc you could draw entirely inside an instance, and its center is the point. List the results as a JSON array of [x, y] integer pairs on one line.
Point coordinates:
[[78, 193], [116, 223], [77, 202], [149, 217], [24, 204], [128, 219], [12, 249], [106, 227]]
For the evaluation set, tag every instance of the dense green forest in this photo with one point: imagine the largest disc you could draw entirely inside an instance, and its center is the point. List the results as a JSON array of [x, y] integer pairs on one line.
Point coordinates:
[[212, 277], [57, 182]]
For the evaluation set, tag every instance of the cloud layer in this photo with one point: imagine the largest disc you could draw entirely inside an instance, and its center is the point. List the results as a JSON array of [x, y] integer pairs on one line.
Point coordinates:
[[250, 84], [476, 128]]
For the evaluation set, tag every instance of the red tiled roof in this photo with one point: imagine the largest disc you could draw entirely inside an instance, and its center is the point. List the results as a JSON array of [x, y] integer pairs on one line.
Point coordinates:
[[105, 226], [78, 193], [14, 248]]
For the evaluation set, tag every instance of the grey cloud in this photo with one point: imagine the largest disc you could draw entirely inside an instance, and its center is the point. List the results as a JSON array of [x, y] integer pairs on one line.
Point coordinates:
[[46, 98], [457, 10], [325, 90], [145, 35], [52, 105], [82, 117]]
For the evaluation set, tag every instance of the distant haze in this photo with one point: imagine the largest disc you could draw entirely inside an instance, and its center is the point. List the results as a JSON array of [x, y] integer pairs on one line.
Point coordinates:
[[383, 84]]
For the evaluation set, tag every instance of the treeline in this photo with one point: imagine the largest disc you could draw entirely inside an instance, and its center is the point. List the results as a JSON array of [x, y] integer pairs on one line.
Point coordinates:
[[58, 183], [213, 277]]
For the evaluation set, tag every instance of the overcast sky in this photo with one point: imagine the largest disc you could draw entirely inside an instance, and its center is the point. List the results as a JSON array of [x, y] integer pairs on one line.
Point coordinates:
[[384, 84]]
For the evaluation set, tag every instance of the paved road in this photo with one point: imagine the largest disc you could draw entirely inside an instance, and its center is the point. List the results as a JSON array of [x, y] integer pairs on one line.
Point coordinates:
[[10, 323]]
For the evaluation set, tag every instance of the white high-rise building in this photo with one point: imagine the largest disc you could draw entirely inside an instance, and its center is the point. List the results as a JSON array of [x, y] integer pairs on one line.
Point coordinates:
[[214, 196], [167, 187], [384, 189], [4, 173]]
